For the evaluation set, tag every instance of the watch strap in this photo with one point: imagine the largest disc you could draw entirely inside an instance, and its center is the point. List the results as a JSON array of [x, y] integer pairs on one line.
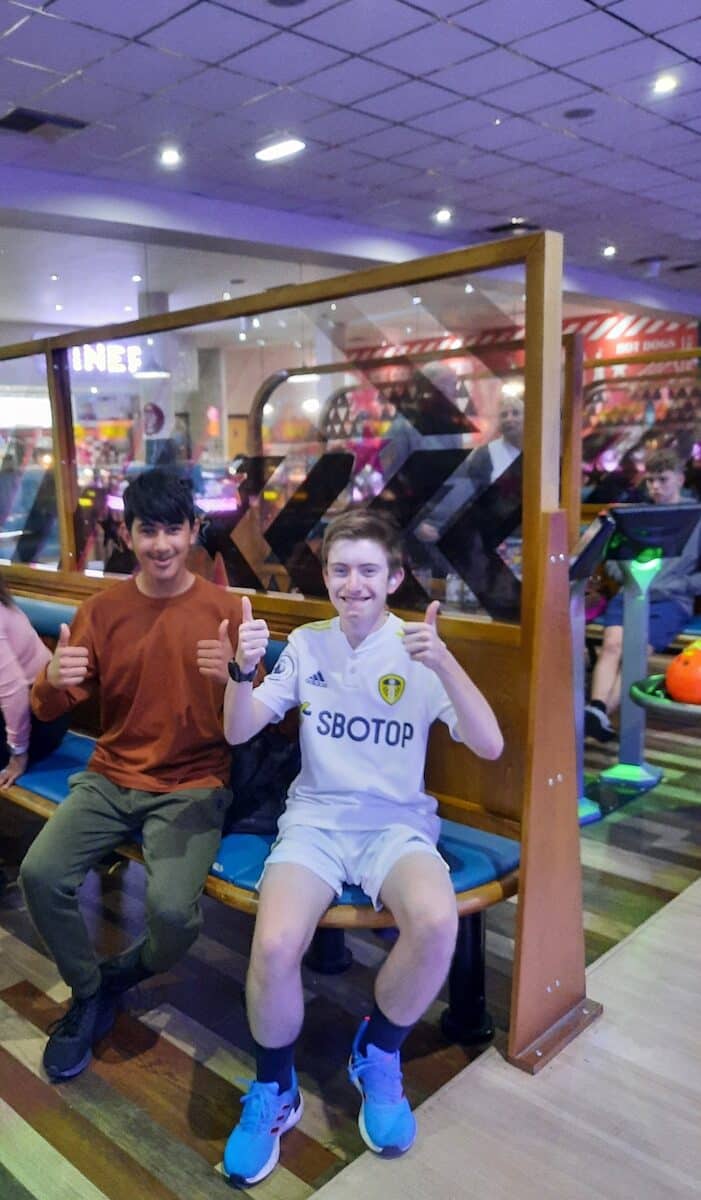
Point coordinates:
[[240, 676]]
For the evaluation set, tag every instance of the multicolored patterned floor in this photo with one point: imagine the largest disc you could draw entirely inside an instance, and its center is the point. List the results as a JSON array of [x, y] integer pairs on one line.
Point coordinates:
[[151, 1115]]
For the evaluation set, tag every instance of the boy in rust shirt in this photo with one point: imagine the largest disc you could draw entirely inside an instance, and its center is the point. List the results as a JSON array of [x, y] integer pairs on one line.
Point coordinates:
[[157, 646]]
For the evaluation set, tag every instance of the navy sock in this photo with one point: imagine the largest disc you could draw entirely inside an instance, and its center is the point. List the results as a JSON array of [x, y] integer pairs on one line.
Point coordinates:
[[382, 1033], [275, 1065], [598, 704]]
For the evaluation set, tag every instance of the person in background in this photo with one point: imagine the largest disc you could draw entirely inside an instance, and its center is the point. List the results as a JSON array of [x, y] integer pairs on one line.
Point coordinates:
[[153, 647], [481, 467], [23, 738], [672, 595], [624, 486], [368, 687]]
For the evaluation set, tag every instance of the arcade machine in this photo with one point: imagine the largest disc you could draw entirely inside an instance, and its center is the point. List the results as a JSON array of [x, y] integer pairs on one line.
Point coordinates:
[[645, 534]]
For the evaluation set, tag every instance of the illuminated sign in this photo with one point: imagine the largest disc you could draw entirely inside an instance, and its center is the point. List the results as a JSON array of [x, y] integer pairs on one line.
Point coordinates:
[[107, 358]]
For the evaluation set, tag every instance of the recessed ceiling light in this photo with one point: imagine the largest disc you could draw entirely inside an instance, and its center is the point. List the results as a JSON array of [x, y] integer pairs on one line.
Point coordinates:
[[305, 377], [443, 216], [518, 220], [415, 299], [469, 289], [256, 322], [242, 336], [170, 156], [93, 391], [664, 84], [136, 279], [279, 150], [226, 295], [609, 251], [53, 278], [128, 308], [261, 341], [59, 308]]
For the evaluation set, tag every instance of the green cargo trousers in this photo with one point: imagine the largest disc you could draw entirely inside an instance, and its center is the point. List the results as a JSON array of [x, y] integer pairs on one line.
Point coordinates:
[[180, 833]]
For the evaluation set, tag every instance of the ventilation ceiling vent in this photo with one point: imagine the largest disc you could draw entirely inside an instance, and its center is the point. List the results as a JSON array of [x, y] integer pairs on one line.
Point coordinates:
[[44, 125], [513, 227]]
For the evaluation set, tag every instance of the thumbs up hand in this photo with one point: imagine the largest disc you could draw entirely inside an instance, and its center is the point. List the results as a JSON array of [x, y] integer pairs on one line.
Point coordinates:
[[421, 640], [69, 664], [253, 638], [213, 654]]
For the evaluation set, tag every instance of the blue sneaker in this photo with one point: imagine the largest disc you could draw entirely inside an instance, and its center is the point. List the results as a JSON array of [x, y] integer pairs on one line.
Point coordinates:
[[253, 1148], [387, 1124]]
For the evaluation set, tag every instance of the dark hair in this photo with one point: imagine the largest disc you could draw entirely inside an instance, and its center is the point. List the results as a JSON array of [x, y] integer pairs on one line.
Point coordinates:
[[5, 597], [359, 523], [664, 460], [159, 496]]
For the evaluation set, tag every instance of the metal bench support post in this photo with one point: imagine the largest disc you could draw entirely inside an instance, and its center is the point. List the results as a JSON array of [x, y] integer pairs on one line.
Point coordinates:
[[466, 1018]]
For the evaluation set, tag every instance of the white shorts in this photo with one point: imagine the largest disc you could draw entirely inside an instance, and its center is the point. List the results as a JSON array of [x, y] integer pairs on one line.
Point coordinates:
[[364, 858]]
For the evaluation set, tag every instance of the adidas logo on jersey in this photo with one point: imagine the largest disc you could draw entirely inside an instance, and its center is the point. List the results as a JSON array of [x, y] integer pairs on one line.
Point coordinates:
[[317, 679]]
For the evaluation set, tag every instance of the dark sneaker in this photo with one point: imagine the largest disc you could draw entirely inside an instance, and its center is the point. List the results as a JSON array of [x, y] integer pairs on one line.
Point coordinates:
[[253, 1148], [69, 1048], [387, 1124], [597, 724]]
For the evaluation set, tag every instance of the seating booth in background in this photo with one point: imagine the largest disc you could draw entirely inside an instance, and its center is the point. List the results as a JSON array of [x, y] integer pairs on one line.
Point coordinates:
[[515, 643]]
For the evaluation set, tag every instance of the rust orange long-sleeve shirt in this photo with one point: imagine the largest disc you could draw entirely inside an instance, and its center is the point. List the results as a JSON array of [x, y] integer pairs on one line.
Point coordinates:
[[161, 720]]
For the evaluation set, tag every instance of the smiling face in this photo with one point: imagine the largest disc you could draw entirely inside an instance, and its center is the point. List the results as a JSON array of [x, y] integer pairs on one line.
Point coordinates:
[[161, 551], [358, 580]]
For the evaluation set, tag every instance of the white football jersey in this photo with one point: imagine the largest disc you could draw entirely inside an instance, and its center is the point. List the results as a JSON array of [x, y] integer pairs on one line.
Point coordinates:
[[364, 721]]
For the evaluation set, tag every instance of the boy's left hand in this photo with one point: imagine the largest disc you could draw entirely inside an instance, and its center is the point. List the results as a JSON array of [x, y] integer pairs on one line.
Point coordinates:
[[14, 768], [214, 654], [421, 640]]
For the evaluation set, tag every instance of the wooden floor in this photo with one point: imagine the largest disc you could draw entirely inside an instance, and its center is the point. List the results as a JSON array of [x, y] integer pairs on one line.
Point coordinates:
[[151, 1115], [617, 1115]]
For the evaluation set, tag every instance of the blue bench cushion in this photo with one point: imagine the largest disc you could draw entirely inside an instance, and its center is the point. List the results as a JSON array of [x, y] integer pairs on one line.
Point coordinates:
[[474, 857], [45, 615], [50, 777]]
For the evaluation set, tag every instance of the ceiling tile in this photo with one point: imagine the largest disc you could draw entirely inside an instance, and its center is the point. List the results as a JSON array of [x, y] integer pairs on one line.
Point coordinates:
[[216, 90], [208, 32], [158, 117], [20, 83], [277, 15], [357, 25], [433, 47], [511, 132], [651, 16], [686, 38], [389, 143], [548, 87], [489, 70], [576, 39], [140, 68], [277, 109], [412, 99], [284, 58], [504, 21], [457, 119], [342, 125], [129, 18], [86, 101], [50, 42], [625, 62], [105, 142], [345, 84], [436, 154]]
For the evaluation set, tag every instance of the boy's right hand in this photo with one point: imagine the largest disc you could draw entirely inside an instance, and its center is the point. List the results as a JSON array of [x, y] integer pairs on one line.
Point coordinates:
[[69, 664], [253, 638]]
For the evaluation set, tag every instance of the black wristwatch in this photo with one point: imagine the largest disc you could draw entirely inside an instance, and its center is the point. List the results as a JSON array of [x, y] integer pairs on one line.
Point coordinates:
[[240, 676]]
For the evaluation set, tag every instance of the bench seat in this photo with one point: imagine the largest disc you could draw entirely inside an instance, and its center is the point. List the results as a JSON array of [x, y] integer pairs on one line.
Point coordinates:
[[483, 866]]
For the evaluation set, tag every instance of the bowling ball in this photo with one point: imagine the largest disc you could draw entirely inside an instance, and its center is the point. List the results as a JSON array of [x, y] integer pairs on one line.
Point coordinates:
[[683, 677]]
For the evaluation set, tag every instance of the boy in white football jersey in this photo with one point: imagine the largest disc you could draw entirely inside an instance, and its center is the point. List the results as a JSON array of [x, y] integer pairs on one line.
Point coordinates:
[[368, 687]]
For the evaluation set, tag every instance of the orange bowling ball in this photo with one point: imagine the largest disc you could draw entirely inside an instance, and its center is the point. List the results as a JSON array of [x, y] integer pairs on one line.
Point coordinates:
[[683, 678]]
